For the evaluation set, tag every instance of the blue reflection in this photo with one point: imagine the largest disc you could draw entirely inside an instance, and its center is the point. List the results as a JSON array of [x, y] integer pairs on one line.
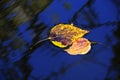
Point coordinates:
[[44, 61]]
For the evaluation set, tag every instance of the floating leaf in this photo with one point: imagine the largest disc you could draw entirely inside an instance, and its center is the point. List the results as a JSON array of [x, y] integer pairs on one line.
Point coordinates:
[[63, 35], [68, 35], [80, 46]]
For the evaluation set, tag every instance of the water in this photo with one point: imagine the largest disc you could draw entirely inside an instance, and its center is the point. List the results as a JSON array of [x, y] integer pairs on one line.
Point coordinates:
[[23, 23]]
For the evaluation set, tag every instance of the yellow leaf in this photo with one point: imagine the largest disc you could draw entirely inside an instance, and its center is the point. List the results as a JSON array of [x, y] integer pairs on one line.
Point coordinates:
[[63, 35]]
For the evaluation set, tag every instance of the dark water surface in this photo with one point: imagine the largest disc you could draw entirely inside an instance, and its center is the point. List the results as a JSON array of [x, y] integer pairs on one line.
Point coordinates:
[[25, 22]]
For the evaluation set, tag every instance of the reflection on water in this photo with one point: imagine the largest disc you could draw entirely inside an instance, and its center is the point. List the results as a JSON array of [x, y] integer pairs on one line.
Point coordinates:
[[23, 23]]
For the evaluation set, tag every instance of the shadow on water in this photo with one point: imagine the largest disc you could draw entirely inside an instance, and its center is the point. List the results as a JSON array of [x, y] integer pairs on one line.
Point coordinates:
[[13, 15]]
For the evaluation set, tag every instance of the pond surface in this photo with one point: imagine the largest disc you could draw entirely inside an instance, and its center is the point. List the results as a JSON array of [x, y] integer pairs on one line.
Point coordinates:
[[23, 23]]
